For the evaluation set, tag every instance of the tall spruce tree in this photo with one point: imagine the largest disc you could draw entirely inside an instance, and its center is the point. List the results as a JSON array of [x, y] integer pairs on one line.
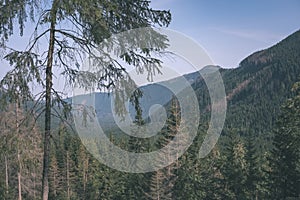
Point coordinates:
[[20, 147], [257, 168], [234, 167], [136, 185], [163, 180], [285, 156], [73, 29]]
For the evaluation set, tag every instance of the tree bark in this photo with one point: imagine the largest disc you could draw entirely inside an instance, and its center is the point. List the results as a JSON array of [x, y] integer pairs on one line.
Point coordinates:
[[19, 178], [19, 156], [157, 186], [45, 182], [68, 176], [6, 175], [34, 184]]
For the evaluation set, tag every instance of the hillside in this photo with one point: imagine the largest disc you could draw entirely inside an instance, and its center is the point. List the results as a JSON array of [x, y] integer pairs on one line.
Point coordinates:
[[262, 164], [255, 90], [262, 82]]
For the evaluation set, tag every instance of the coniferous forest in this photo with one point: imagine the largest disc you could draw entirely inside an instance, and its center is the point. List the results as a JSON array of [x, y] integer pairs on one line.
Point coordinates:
[[42, 156]]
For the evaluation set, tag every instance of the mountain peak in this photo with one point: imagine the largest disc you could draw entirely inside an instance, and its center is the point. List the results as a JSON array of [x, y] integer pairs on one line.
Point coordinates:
[[290, 44]]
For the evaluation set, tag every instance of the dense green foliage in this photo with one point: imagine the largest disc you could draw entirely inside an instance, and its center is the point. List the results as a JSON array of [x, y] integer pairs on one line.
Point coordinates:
[[76, 31], [285, 156], [239, 167], [257, 156]]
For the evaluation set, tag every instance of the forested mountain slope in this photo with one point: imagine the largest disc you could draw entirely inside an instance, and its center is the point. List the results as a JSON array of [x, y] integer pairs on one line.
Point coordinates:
[[256, 89], [239, 166]]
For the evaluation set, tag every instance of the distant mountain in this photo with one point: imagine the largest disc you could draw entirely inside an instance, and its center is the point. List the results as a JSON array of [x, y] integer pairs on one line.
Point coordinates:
[[255, 90], [154, 93]]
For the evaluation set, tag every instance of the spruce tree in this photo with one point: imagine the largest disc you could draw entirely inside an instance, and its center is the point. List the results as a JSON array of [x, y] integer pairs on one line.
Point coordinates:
[[21, 149], [73, 29], [163, 180], [285, 156], [234, 167], [136, 185]]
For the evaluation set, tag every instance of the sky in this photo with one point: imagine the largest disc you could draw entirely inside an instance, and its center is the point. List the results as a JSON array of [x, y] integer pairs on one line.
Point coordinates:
[[228, 31], [231, 30]]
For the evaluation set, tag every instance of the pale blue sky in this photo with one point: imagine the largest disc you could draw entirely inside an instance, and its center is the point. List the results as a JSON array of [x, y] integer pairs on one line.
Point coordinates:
[[228, 30], [231, 30]]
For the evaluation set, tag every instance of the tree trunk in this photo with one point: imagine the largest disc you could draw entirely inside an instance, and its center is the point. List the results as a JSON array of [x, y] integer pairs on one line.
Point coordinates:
[[85, 174], [45, 182], [6, 175], [34, 184], [19, 156], [157, 186], [68, 176], [54, 184], [19, 178]]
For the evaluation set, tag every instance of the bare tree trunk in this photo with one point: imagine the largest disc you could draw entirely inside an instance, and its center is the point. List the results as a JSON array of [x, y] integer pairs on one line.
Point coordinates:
[[86, 168], [84, 182], [45, 182], [54, 185], [34, 184], [157, 187], [6, 175], [68, 175], [19, 178], [19, 156]]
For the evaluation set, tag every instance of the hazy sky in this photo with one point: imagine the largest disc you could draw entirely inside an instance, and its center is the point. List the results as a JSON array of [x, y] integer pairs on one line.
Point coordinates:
[[231, 30], [228, 30]]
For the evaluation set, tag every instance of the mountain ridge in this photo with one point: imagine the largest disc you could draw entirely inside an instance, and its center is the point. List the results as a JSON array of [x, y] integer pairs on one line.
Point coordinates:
[[255, 90], [270, 74]]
